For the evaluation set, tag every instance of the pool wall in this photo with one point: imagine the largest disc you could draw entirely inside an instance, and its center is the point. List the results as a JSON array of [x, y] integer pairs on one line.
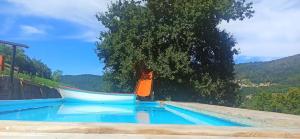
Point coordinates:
[[205, 118]]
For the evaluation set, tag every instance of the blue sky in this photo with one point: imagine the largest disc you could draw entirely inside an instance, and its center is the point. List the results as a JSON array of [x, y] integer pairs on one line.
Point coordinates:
[[62, 33]]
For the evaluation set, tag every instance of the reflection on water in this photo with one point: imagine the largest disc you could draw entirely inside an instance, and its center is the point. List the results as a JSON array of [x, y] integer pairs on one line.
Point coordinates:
[[78, 112], [143, 113], [69, 108], [143, 117]]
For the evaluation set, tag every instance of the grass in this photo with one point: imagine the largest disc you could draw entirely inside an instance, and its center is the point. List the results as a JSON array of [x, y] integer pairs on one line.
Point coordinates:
[[33, 79]]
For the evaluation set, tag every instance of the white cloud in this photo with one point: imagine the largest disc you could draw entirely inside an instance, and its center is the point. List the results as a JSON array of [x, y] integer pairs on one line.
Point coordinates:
[[272, 32], [30, 30], [78, 11], [89, 36]]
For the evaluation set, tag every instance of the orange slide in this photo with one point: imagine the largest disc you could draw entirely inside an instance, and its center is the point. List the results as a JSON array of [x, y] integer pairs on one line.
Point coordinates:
[[2, 65], [144, 85]]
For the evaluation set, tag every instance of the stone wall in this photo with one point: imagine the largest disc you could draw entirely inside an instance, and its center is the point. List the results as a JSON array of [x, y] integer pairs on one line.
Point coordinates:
[[24, 90]]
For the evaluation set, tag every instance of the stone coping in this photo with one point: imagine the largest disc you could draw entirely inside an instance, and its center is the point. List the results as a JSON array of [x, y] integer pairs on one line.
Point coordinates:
[[6, 135], [140, 129], [16, 135], [252, 118]]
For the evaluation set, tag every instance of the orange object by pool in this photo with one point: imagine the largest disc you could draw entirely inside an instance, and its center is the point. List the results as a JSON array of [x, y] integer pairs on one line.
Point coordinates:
[[144, 85], [2, 65]]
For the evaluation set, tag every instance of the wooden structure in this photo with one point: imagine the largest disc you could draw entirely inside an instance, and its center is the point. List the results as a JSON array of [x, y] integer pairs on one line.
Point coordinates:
[[14, 47]]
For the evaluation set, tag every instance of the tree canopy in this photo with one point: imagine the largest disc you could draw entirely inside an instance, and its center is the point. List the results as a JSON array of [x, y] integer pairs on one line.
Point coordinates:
[[56, 75], [180, 41]]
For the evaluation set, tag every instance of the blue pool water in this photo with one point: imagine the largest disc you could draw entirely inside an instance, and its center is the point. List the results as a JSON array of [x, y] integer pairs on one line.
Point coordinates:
[[141, 112]]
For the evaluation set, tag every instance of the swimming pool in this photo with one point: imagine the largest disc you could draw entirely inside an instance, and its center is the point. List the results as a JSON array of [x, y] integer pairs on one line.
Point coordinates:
[[57, 110]]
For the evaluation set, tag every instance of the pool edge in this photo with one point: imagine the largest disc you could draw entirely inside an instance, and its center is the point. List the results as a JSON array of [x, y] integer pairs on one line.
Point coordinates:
[[252, 118], [101, 128]]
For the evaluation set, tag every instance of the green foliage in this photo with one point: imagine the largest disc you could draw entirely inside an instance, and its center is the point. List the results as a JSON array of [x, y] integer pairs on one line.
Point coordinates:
[[285, 71], [33, 79], [56, 75], [275, 102], [283, 74], [25, 63], [32, 70], [179, 41], [40, 69]]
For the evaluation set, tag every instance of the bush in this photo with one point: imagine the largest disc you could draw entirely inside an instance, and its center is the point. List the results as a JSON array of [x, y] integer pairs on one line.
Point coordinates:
[[33, 79], [276, 102]]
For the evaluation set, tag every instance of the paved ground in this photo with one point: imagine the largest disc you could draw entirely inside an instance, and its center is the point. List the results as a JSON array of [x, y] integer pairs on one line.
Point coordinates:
[[142, 131], [105, 136], [249, 117]]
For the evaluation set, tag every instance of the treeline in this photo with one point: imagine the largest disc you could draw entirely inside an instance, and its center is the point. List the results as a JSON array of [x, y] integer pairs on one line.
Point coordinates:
[[26, 64], [275, 102], [85, 82]]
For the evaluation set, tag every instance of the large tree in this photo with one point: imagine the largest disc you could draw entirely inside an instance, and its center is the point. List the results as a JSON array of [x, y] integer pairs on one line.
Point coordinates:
[[179, 40]]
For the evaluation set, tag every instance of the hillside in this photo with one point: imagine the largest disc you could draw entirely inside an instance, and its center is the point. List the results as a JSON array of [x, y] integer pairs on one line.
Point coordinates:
[[85, 82], [270, 86], [282, 72], [285, 71]]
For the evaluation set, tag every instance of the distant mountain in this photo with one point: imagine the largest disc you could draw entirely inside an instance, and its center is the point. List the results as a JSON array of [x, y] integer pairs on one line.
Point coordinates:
[[239, 59], [281, 71], [284, 71], [84, 82]]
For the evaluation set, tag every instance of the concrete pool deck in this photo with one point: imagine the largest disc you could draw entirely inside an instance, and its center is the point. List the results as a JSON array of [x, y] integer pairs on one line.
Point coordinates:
[[264, 125], [249, 117]]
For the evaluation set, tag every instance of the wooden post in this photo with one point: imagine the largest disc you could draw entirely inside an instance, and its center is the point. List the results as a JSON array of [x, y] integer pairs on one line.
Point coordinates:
[[12, 66]]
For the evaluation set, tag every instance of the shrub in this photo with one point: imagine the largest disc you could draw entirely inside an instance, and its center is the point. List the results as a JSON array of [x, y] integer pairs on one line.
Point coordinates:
[[276, 102]]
